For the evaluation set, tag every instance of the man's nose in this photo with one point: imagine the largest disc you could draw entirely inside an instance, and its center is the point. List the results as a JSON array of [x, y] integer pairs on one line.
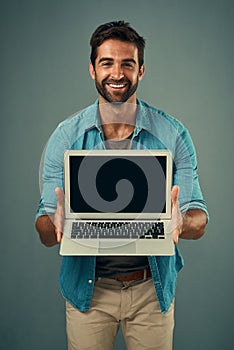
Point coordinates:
[[117, 72]]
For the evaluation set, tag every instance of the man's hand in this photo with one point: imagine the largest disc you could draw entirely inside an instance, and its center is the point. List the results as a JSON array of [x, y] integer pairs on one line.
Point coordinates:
[[58, 217], [177, 219], [50, 227], [190, 225]]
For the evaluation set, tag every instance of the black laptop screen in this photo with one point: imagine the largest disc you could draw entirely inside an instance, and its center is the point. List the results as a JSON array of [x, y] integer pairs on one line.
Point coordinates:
[[113, 184]]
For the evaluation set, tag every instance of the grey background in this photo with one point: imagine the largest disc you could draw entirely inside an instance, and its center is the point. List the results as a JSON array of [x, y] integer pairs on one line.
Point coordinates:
[[44, 79]]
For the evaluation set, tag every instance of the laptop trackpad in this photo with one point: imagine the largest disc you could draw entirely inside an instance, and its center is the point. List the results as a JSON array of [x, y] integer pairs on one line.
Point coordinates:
[[115, 247]]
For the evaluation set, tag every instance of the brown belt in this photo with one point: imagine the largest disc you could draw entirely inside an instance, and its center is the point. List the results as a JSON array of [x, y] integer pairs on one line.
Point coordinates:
[[137, 275]]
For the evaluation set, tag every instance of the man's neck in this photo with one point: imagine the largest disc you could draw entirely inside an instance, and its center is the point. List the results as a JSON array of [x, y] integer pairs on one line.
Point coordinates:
[[118, 119]]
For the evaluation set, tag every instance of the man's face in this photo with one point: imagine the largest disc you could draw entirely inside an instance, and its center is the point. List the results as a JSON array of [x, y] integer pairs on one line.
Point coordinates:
[[117, 71]]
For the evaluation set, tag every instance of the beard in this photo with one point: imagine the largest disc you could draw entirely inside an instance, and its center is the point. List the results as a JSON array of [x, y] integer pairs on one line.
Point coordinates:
[[116, 96]]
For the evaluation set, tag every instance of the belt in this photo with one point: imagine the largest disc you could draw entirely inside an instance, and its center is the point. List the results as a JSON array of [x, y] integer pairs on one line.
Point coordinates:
[[137, 275]]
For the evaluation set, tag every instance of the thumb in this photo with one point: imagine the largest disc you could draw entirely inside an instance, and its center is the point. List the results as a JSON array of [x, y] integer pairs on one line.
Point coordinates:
[[60, 197], [175, 195], [59, 214]]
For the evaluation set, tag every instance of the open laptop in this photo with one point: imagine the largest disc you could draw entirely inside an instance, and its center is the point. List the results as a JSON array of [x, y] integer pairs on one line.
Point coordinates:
[[117, 202]]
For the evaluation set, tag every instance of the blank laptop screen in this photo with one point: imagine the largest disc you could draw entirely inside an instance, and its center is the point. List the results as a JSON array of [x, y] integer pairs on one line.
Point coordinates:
[[118, 184]]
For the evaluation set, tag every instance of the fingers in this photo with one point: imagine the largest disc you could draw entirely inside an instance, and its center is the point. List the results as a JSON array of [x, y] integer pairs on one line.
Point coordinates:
[[176, 234], [59, 214]]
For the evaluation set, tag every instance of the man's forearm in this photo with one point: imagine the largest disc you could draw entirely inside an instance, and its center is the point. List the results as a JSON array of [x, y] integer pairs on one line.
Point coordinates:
[[194, 224], [46, 230]]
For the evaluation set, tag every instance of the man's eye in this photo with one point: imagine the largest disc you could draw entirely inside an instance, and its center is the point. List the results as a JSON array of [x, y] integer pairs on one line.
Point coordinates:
[[128, 65], [106, 64]]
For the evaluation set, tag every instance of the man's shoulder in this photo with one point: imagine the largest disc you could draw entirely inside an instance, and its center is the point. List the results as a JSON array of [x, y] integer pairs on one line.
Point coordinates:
[[83, 117], [157, 114]]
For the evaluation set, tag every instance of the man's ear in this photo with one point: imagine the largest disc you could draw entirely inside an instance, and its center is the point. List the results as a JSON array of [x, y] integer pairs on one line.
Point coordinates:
[[92, 71], [141, 72]]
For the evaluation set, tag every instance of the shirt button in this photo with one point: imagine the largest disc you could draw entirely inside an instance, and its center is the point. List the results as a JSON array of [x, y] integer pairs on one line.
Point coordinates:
[[90, 281]]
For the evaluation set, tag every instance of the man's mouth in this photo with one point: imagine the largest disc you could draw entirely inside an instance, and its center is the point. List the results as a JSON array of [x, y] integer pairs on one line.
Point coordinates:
[[116, 86]]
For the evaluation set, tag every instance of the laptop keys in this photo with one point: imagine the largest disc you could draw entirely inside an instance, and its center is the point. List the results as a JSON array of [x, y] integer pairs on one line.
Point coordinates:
[[128, 230]]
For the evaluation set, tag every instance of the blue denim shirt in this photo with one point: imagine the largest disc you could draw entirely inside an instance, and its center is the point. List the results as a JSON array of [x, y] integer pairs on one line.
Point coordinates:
[[154, 129]]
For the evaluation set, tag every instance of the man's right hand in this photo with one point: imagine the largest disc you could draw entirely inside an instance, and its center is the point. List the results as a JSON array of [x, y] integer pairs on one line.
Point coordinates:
[[50, 227], [58, 217]]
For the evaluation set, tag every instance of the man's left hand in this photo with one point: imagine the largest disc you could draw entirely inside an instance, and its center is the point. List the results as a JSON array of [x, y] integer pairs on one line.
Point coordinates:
[[177, 218]]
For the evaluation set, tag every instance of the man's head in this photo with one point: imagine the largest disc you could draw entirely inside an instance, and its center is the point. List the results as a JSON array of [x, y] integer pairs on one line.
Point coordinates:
[[117, 61], [117, 30]]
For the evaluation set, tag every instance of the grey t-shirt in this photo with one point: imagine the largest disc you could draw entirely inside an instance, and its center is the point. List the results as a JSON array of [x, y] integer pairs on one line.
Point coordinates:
[[110, 266]]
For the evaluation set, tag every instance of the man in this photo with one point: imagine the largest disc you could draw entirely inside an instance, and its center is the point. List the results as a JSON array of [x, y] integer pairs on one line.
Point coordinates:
[[136, 292]]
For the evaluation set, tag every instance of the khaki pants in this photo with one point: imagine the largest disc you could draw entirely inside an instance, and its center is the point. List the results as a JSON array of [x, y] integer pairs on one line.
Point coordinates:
[[133, 305]]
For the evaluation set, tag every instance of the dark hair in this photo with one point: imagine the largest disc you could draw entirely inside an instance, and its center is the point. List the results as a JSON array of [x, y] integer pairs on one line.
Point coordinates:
[[118, 30]]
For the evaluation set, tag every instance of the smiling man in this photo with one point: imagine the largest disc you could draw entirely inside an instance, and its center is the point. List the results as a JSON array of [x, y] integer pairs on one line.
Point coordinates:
[[135, 292], [116, 71]]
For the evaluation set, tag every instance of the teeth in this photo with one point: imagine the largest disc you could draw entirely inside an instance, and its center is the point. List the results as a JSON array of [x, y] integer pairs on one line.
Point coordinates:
[[116, 86]]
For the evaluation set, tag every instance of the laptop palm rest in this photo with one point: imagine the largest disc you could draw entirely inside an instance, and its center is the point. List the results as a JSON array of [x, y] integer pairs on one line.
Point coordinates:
[[132, 247]]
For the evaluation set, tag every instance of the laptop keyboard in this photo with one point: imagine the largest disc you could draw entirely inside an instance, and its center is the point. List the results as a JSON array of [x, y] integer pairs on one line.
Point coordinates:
[[128, 230]]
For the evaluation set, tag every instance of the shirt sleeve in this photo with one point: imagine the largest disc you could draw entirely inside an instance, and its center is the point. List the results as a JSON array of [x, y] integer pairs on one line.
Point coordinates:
[[51, 172], [186, 174]]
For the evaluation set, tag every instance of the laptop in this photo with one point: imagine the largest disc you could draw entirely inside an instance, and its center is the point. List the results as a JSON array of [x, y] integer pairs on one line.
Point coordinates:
[[117, 202]]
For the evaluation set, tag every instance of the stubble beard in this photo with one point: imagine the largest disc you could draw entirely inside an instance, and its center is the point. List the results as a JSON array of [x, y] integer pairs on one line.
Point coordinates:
[[118, 96]]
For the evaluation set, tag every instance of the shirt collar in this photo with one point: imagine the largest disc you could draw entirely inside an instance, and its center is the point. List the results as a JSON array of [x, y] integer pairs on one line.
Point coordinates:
[[92, 117], [142, 117]]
